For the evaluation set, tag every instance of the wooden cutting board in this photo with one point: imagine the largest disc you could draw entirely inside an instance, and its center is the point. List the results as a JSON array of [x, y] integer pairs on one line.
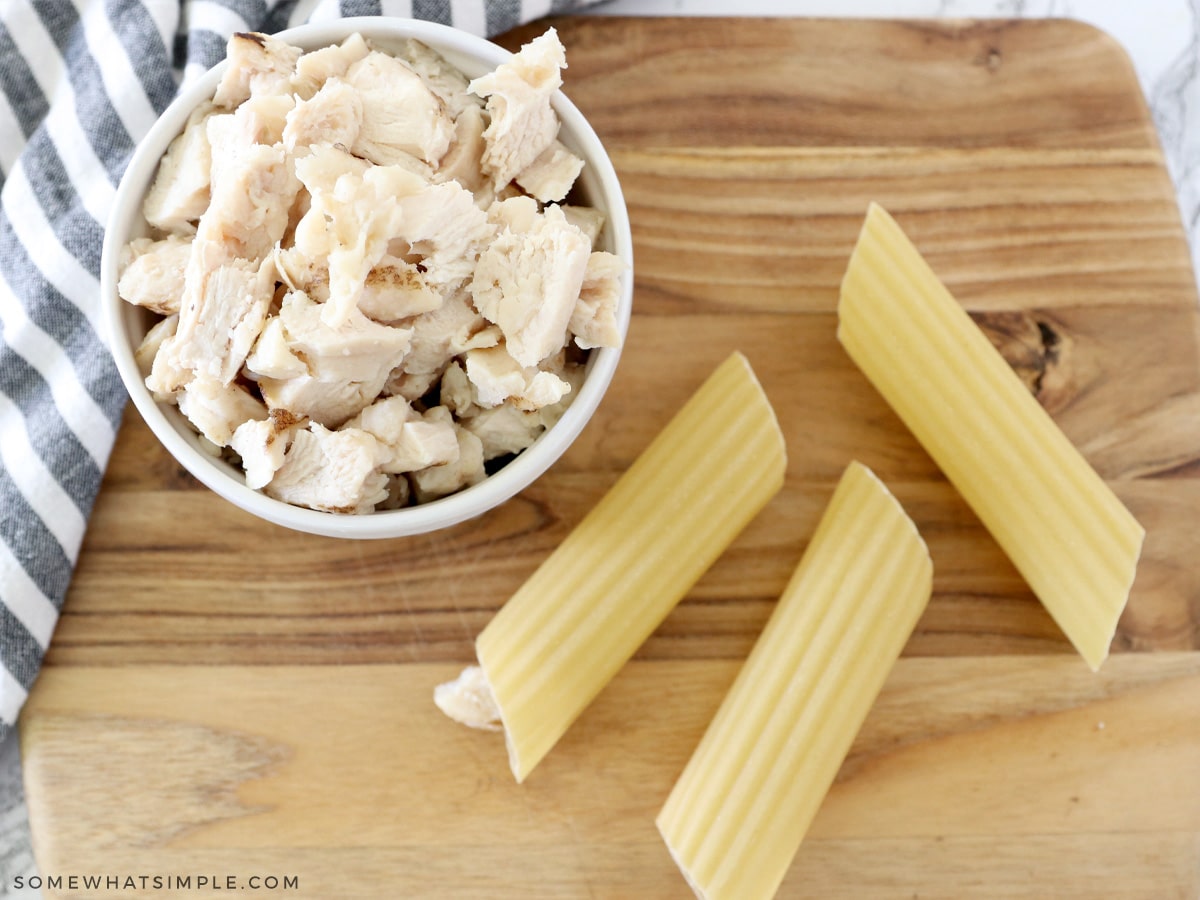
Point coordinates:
[[227, 699]]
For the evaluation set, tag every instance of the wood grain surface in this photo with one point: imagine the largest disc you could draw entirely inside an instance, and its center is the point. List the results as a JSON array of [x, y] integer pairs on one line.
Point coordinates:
[[972, 778], [223, 693]]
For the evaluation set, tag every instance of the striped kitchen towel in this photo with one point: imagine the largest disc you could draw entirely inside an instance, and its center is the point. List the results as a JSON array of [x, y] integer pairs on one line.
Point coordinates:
[[80, 82]]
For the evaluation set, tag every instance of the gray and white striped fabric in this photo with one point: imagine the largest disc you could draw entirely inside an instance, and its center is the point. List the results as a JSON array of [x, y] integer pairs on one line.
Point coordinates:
[[80, 82]]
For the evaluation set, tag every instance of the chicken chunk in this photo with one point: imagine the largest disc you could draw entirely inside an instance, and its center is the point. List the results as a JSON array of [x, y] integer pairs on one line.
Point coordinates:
[[359, 350], [498, 377], [462, 162], [594, 320], [258, 65], [321, 171], [469, 700], [396, 290], [333, 115], [217, 409], [517, 214], [253, 188], [466, 470], [346, 367], [528, 284], [443, 226], [448, 331], [316, 67], [447, 82], [588, 220], [505, 429], [550, 177], [335, 471], [262, 444], [271, 356], [260, 120], [384, 419], [457, 393], [350, 223], [329, 403], [167, 376], [148, 349], [154, 275], [412, 386], [400, 113], [523, 124], [180, 192], [413, 440], [429, 440], [219, 324]]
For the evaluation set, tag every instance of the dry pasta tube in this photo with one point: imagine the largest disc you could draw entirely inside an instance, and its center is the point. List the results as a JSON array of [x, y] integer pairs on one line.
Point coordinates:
[[568, 630], [1064, 529], [740, 809]]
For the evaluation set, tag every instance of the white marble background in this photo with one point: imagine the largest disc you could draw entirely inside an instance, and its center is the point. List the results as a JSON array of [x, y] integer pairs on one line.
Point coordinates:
[[1162, 37]]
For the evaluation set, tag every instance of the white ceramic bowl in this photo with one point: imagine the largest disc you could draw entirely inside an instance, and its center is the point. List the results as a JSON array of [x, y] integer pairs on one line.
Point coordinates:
[[128, 324]]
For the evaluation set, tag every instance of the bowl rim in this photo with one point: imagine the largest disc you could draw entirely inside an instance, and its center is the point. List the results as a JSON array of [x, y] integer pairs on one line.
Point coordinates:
[[468, 503]]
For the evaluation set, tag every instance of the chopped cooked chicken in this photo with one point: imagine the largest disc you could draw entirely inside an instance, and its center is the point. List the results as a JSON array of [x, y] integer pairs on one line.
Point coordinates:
[[461, 162], [300, 206], [518, 93], [466, 470], [336, 471], [447, 82], [351, 222], [217, 409], [329, 403], [219, 324], [167, 376], [147, 350], [333, 115], [153, 276], [396, 290], [260, 120], [594, 321], [316, 67], [498, 377], [262, 445], [412, 386], [551, 176], [517, 214], [344, 237], [457, 393], [271, 356], [345, 368], [258, 65], [384, 419], [179, 194], [400, 112], [588, 220], [528, 283], [442, 225], [426, 441], [360, 350], [321, 171], [300, 272], [448, 331], [253, 188], [414, 441], [469, 700], [505, 429]]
